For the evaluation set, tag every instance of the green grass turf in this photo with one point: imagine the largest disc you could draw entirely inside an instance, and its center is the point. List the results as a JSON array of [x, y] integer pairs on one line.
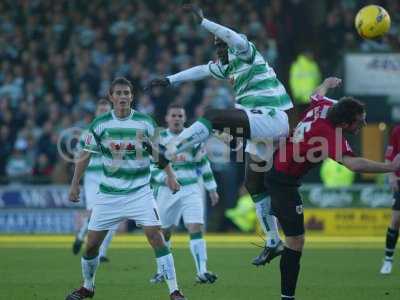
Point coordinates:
[[325, 274]]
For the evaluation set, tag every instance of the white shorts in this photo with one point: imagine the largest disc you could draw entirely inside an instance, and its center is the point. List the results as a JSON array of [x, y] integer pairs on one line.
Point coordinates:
[[188, 204], [267, 126], [91, 188], [109, 210]]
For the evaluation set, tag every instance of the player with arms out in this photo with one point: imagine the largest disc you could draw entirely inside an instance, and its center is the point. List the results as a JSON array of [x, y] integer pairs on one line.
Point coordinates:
[[259, 114], [316, 137], [124, 138], [91, 182], [188, 203], [392, 233]]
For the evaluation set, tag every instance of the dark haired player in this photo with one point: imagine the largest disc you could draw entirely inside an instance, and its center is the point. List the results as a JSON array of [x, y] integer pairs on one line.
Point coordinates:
[[124, 138], [392, 233], [316, 137]]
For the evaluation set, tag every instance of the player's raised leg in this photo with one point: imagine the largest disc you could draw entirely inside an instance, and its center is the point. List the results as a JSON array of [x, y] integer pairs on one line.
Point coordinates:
[[234, 121], [254, 182], [254, 82]]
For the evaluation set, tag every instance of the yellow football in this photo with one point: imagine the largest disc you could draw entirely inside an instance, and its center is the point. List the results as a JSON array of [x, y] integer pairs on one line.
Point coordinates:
[[372, 21]]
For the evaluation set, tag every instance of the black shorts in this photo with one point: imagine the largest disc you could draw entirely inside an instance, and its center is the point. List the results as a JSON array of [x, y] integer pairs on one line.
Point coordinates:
[[286, 203], [396, 199]]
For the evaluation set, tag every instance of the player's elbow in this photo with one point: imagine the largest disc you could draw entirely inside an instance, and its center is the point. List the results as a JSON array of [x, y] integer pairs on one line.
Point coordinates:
[[354, 164], [357, 168], [241, 45]]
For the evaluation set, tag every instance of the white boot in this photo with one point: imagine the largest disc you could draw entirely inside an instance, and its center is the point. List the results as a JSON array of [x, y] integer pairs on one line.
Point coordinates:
[[386, 267]]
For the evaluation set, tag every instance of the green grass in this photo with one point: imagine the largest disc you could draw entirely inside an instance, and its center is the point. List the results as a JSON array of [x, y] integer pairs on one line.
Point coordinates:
[[330, 274]]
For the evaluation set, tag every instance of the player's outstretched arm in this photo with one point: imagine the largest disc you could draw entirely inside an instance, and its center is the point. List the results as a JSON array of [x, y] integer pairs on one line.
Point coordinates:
[[80, 167], [363, 165], [329, 83], [232, 38], [192, 74]]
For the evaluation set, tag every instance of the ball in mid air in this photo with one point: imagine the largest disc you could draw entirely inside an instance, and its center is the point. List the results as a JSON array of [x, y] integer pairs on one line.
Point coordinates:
[[372, 21]]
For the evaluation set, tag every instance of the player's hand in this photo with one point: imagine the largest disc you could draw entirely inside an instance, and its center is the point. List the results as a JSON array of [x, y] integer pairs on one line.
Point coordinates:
[[332, 82], [74, 192], [158, 82], [214, 198], [196, 11], [393, 182], [173, 184]]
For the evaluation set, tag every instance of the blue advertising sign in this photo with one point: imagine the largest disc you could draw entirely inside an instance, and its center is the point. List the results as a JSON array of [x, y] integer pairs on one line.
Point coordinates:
[[39, 221], [46, 196]]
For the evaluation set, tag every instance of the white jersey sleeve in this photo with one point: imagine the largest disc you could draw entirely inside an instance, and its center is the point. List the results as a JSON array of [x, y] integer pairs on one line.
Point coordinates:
[[191, 74]]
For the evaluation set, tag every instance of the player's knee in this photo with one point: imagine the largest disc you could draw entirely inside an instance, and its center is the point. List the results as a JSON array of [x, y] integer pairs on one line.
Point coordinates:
[[92, 249], [154, 237], [167, 234], [194, 228], [253, 187], [295, 242], [395, 223], [93, 243]]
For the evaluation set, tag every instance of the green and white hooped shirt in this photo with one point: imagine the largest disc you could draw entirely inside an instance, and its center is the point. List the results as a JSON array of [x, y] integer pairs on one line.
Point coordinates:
[[190, 164], [254, 81], [120, 143]]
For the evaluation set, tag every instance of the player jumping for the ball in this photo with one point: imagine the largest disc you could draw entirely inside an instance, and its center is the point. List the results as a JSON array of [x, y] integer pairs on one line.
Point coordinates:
[[318, 135], [259, 115]]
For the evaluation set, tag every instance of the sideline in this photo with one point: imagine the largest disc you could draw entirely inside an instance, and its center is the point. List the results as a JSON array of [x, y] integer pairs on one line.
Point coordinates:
[[125, 241]]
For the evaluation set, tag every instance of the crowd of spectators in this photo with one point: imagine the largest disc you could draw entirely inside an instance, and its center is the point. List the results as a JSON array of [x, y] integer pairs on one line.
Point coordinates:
[[58, 57]]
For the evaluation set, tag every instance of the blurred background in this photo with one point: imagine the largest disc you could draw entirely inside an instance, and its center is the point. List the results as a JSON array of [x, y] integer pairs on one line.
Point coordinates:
[[57, 58]]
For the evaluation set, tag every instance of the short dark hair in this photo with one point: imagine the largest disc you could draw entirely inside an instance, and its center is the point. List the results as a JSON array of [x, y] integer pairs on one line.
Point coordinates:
[[120, 81], [103, 101], [345, 111], [175, 106]]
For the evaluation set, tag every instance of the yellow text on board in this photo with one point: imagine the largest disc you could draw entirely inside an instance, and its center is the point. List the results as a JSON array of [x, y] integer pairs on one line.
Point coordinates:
[[347, 221]]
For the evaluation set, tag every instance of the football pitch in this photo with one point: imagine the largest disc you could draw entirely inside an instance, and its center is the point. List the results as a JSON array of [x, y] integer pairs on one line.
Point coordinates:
[[43, 268]]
